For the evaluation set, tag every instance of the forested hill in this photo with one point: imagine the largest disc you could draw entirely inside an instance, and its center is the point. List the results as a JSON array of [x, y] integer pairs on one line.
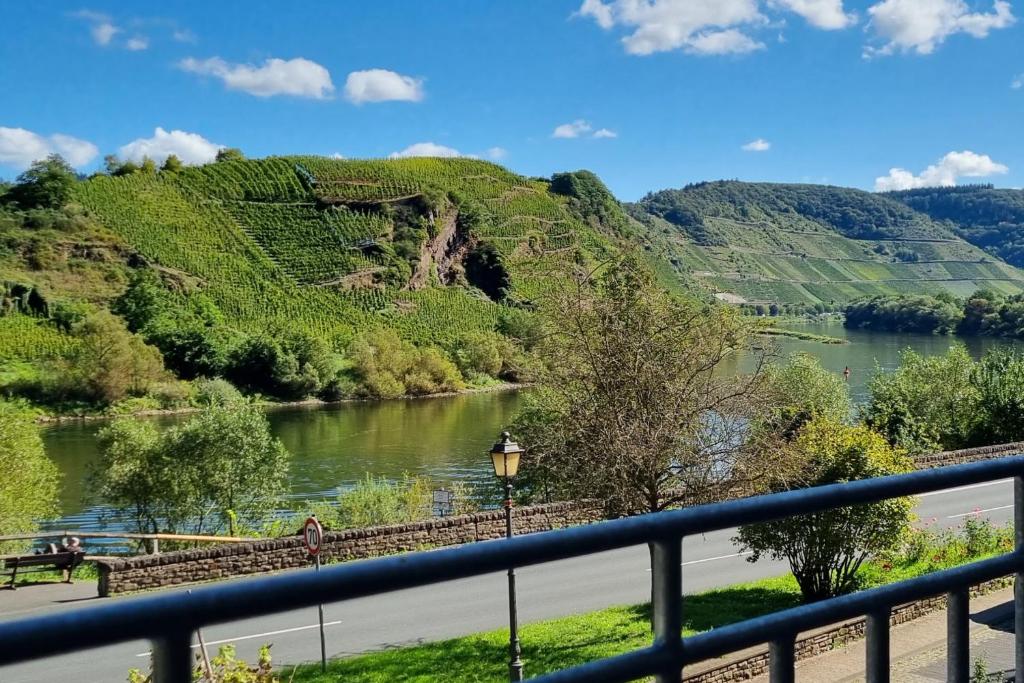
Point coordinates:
[[292, 276], [990, 218], [813, 244]]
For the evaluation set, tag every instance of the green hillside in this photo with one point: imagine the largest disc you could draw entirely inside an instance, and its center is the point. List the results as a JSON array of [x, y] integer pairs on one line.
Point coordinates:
[[286, 266], [336, 246], [776, 243], [987, 217]]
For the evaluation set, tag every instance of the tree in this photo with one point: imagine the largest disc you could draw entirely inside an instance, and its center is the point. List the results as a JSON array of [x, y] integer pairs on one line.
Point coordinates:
[[926, 404], [109, 362], [802, 390], [47, 183], [999, 379], [229, 154], [634, 404], [30, 481], [172, 164], [825, 550], [218, 470]]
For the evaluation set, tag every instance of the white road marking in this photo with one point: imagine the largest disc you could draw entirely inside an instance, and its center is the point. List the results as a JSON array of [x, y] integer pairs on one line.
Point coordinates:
[[255, 635], [712, 559], [963, 488], [978, 512]]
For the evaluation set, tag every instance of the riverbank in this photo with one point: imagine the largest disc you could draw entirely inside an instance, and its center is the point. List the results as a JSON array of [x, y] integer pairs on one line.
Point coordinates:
[[280, 405]]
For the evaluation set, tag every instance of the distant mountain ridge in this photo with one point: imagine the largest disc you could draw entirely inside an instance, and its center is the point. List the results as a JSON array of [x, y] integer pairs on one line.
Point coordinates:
[[988, 217], [813, 244]]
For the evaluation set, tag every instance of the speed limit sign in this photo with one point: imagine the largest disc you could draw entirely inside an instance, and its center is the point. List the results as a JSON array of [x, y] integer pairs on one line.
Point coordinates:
[[312, 535]]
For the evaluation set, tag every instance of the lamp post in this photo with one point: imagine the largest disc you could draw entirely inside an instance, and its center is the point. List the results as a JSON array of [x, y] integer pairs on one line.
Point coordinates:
[[505, 457]]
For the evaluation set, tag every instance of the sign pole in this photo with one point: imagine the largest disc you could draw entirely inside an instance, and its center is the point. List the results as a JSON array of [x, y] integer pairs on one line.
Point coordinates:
[[312, 538], [323, 642]]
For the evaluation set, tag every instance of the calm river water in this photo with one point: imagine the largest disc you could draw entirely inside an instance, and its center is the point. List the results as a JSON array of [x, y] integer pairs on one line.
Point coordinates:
[[444, 438]]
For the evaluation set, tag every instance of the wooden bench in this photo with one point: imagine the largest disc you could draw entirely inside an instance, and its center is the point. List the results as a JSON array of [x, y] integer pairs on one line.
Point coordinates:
[[26, 564]]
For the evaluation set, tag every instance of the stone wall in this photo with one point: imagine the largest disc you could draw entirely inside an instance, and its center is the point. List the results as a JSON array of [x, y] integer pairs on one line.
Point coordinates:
[[223, 561], [943, 458], [754, 662]]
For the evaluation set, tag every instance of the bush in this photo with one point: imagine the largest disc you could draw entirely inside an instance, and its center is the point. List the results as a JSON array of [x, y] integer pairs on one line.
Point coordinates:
[[825, 550], [802, 390], [215, 392], [387, 367], [376, 501]]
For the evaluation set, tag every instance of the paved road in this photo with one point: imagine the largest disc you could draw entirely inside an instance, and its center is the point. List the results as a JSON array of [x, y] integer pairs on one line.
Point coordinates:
[[470, 605]]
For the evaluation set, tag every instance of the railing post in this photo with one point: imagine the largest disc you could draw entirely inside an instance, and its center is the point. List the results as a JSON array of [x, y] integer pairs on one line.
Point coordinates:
[[781, 660], [156, 546], [667, 606], [958, 636], [876, 666], [172, 658], [1018, 579]]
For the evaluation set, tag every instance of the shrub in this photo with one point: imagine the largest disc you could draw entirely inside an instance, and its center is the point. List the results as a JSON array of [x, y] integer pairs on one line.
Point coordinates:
[[215, 392], [387, 367], [825, 550]]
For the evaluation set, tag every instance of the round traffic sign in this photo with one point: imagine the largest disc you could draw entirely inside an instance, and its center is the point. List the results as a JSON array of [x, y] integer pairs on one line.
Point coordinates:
[[312, 535]]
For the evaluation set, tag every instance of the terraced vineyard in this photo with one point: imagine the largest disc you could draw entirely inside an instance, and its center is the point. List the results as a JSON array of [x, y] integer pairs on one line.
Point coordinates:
[[764, 243], [312, 241]]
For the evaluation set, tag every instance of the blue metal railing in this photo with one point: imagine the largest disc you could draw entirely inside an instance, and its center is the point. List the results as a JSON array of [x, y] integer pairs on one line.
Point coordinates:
[[170, 621]]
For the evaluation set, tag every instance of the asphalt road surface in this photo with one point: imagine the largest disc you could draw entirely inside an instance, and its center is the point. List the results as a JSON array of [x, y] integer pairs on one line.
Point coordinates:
[[467, 606]]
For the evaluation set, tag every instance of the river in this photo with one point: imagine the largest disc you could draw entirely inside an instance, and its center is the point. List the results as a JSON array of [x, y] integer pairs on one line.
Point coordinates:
[[443, 438]]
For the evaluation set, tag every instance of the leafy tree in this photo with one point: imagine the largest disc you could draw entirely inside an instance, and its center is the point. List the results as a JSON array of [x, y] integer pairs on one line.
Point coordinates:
[[802, 390], [220, 469], [47, 183], [999, 379], [143, 301], [926, 404], [633, 404], [148, 166], [108, 362], [30, 481], [229, 154], [294, 367], [825, 550], [924, 314], [172, 164]]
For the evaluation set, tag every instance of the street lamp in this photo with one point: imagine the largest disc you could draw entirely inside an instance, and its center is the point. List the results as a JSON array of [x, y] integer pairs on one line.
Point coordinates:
[[505, 458]]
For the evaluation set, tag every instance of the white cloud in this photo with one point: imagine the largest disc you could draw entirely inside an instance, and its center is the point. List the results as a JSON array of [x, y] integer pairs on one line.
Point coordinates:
[[137, 43], [605, 133], [922, 25], [824, 14], [191, 148], [381, 85], [727, 42], [954, 165], [497, 153], [704, 27], [297, 77], [758, 145], [101, 26], [337, 155], [20, 147], [183, 35], [1018, 82], [426, 149], [571, 130]]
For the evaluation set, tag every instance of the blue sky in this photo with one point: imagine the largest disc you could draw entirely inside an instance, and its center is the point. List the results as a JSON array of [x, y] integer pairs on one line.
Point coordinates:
[[647, 93]]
